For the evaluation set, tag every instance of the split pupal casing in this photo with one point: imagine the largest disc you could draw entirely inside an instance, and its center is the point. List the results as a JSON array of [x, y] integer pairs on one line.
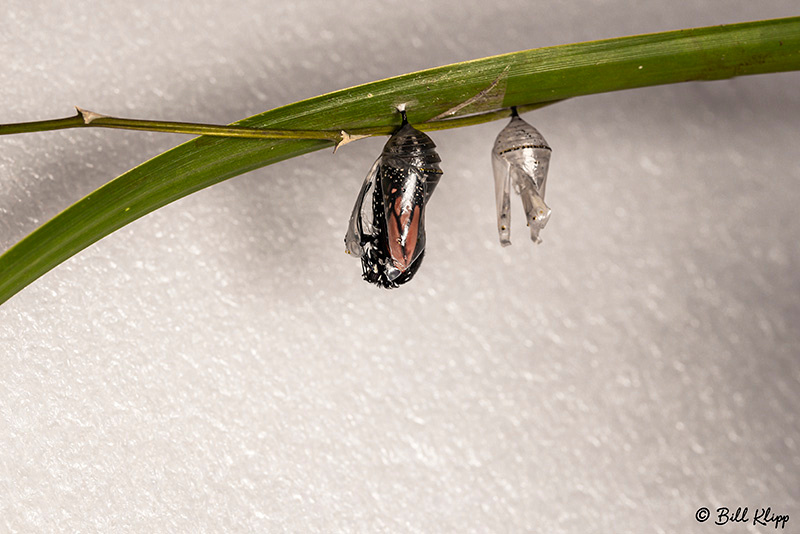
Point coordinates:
[[521, 157], [387, 226]]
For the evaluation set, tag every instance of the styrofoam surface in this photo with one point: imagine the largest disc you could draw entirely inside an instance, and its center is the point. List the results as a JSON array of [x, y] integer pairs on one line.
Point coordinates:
[[219, 365]]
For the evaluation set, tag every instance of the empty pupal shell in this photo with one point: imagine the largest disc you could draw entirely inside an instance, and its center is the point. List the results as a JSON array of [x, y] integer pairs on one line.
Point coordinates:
[[520, 157], [387, 226]]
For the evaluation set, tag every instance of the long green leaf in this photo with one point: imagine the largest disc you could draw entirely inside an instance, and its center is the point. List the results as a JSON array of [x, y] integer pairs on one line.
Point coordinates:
[[517, 79]]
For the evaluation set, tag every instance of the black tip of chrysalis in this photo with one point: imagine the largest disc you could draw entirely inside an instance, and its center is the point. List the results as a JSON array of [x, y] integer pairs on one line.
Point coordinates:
[[514, 112], [403, 115]]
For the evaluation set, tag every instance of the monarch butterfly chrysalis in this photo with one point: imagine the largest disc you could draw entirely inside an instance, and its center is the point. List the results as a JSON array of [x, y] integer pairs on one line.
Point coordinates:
[[387, 226], [520, 156]]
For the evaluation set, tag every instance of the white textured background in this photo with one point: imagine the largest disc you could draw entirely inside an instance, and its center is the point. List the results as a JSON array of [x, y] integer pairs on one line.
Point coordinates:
[[220, 366]]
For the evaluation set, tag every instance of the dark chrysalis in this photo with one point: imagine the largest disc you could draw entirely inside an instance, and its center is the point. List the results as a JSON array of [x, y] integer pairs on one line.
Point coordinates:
[[520, 157], [387, 227]]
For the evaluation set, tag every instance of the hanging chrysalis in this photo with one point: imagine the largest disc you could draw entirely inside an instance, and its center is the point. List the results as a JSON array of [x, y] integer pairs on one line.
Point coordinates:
[[520, 157], [387, 227]]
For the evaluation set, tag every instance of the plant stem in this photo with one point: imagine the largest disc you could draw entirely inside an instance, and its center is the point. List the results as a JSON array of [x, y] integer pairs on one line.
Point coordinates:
[[85, 119], [42, 126]]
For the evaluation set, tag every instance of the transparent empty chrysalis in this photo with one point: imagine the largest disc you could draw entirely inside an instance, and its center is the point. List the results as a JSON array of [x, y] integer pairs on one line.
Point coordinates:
[[387, 226], [520, 159]]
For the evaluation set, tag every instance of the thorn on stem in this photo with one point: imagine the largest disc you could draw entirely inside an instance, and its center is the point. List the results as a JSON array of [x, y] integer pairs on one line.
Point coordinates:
[[346, 138], [89, 116]]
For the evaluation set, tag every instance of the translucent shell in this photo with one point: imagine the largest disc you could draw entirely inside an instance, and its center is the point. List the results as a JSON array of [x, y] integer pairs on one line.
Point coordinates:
[[520, 157], [362, 222], [387, 226]]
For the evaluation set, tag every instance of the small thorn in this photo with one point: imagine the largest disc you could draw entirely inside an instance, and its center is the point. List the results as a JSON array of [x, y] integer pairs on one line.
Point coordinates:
[[347, 138], [89, 116]]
